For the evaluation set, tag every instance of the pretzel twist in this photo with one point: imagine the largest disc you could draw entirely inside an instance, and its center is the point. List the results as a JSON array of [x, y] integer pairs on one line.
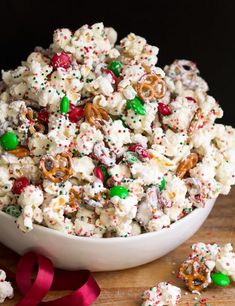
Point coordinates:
[[20, 152], [195, 280], [75, 198], [195, 122], [186, 164], [34, 126], [94, 114], [151, 86], [58, 168]]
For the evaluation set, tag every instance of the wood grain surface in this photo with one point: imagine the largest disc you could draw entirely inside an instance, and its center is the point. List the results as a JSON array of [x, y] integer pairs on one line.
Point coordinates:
[[123, 288]]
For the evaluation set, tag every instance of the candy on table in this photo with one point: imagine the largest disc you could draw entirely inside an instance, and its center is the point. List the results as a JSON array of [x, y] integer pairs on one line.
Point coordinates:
[[164, 294], [207, 264]]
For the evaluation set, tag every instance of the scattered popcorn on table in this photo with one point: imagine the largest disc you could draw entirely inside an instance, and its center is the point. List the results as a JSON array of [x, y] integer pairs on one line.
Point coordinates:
[[6, 290], [164, 294], [207, 264], [98, 141]]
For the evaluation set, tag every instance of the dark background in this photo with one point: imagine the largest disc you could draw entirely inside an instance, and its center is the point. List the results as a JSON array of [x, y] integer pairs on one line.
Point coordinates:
[[203, 31]]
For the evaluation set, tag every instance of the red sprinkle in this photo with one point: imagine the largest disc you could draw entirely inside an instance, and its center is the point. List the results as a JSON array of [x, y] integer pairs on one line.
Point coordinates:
[[43, 116], [164, 109], [99, 174], [61, 60], [20, 184]]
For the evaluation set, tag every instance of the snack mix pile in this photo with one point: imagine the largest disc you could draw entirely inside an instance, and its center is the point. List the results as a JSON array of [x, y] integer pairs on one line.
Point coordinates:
[[208, 263], [97, 141]]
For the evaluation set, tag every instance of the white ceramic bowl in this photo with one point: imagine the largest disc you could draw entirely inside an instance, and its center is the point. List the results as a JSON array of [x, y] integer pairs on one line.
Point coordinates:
[[101, 254]]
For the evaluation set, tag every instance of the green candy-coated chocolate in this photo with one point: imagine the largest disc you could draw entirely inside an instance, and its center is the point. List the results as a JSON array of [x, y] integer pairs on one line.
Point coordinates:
[[64, 105], [9, 141], [131, 157], [12, 210], [220, 279], [119, 191], [115, 67], [162, 184], [105, 172], [137, 106]]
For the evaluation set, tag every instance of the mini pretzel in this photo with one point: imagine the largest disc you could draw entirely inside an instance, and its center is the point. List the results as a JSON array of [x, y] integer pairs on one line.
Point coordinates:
[[151, 86], [103, 195], [20, 152], [186, 164], [75, 198], [94, 113], [195, 122], [34, 126], [195, 280], [58, 168]]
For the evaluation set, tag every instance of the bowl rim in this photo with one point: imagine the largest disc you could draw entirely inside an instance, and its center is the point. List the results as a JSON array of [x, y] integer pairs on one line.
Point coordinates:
[[117, 239]]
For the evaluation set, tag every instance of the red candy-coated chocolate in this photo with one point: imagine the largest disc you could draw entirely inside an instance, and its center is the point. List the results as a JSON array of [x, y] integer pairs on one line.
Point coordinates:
[[142, 153], [111, 74], [76, 113], [133, 147], [20, 184], [164, 109], [139, 150], [99, 174], [61, 60], [43, 116]]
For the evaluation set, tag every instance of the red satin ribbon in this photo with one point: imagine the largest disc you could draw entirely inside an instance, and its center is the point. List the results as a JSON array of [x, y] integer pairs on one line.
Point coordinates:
[[33, 291]]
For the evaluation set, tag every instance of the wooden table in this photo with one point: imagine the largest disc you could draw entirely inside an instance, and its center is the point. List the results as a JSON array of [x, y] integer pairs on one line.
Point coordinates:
[[123, 288]]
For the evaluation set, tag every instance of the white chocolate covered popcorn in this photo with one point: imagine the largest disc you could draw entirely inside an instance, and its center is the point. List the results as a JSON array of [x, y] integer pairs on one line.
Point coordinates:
[[164, 294], [6, 290], [98, 141], [30, 201]]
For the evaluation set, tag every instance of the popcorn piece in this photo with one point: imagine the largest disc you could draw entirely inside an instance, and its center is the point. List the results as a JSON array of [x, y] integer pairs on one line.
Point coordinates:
[[6, 290], [116, 135], [53, 214], [225, 261], [83, 168], [30, 200], [87, 137], [164, 294]]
